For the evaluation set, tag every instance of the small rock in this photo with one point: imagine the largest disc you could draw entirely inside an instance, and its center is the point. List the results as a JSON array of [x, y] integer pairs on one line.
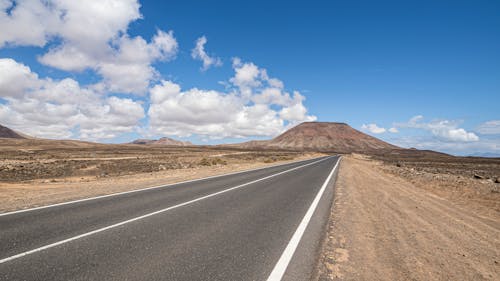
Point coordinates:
[[497, 180], [476, 176]]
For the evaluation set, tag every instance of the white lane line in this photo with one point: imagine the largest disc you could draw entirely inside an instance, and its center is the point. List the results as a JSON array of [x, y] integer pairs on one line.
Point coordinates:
[[151, 214], [143, 189], [280, 267]]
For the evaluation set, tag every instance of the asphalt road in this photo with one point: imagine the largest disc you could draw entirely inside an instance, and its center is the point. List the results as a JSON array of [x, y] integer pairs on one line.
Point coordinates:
[[244, 226]]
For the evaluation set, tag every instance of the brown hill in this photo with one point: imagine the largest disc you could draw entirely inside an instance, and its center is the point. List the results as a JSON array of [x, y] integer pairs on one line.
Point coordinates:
[[322, 136], [9, 133], [163, 141]]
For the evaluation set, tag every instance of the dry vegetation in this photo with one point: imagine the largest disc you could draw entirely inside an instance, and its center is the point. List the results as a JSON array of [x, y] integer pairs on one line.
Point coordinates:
[[39, 160], [437, 163], [39, 172], [471, 181]]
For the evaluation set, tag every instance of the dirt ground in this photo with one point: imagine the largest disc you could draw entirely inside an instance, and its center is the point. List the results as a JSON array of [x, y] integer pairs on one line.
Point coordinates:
[[26, 160], [39, 173], [390, 222]]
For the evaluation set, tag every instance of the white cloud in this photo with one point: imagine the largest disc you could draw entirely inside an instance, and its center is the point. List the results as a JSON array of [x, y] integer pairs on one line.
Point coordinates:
[[452, 134], [18, 17], [15, 78], [92, 35], [295, 111], [164, 45], [88, 35], [456, 148], [126, 68], [62, 109], [373, 128], [87, 24], [199, 53], [247, 76], [213, 114], [393, 130], [253, 83], [491, 127], [68, 57], [272, 96], [444, 129]]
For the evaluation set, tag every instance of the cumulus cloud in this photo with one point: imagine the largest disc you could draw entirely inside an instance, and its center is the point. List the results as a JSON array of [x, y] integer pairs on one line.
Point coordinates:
[[125, 64], [15, 78], [61, 108], [88, 35], [199, 53], [78, 36], [254, 105], [393, 130], [247, 77], [480, 147], [443, 129], [74, 21], [49, 108], [17, 17], [373, 128], [296, 113], [491, 127]]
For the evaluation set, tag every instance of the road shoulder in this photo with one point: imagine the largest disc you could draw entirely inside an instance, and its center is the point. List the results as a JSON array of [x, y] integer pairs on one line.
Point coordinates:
[[383, 227]]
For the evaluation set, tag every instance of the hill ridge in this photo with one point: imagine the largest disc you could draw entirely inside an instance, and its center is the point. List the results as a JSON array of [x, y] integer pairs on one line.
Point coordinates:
[[6, 132], [162, 141], [322, 136]]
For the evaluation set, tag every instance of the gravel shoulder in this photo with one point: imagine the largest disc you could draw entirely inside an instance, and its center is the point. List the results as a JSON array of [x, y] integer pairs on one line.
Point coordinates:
[[384, 226]]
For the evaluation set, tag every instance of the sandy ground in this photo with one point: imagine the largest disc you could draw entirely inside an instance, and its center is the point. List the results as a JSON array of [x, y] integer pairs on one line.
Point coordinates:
[[41, 192], [386, 227]]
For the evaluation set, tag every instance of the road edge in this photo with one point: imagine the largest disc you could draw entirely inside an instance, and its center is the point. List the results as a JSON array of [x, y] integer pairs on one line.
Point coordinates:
[[303, 258]]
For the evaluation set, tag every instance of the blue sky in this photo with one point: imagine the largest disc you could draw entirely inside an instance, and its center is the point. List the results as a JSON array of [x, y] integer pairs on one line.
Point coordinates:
[[422, 74]]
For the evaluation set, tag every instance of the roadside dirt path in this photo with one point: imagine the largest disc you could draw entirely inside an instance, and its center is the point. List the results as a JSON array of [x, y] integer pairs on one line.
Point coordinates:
[[383, 227]]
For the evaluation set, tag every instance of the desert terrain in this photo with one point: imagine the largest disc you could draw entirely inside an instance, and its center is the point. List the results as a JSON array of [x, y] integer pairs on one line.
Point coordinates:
[[398, 214], [39, 172], [404, 217]]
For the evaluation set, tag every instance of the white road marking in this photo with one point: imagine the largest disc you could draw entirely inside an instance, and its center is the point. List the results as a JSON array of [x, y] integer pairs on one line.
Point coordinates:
[[150, 214], [139, 190], [282, 264]]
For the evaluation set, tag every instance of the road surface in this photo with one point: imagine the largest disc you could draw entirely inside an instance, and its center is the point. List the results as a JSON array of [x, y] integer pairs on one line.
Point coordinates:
[[263, 224]]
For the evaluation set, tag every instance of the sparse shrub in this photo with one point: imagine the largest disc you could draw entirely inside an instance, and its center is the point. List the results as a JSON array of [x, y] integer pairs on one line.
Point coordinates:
[[285, 158], [270, 160], [205, 162], [218, 161]]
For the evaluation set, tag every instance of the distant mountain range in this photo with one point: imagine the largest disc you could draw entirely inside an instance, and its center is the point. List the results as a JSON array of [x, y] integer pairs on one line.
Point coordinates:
[[162, 141], [308, 136]]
